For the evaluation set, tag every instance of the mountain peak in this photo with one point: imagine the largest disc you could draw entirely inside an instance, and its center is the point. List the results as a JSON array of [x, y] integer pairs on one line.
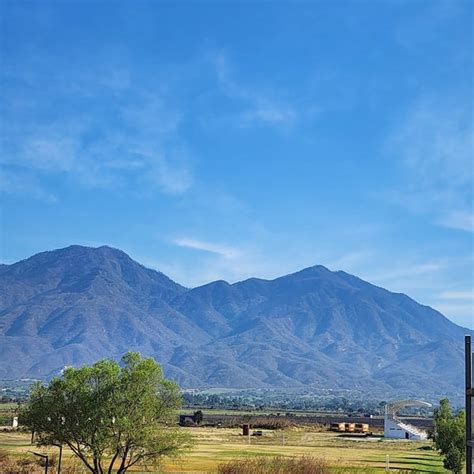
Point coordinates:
[[84, 249], [79, 268], [316, 268], [74, 305], [314, 271]]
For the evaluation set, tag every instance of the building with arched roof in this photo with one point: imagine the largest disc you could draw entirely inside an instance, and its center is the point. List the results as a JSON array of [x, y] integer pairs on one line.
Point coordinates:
[[396, 428]]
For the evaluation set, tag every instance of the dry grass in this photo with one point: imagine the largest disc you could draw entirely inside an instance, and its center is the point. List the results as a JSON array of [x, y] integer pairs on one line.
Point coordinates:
[[259, 422], [22, 465], [275, 465], [217, 446]]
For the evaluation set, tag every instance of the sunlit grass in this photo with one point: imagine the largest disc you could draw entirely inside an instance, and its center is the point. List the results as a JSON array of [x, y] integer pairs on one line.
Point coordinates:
[[216, 445]]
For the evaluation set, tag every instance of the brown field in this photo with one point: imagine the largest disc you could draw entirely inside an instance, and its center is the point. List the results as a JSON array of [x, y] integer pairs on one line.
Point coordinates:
[[217, 445]]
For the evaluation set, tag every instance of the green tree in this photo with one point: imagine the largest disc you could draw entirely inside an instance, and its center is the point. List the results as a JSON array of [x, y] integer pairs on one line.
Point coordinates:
[[197, 417], [108, 414], [449, 435]]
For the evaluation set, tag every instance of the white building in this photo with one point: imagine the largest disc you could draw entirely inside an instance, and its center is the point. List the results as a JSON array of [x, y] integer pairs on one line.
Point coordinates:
[[395, 428]]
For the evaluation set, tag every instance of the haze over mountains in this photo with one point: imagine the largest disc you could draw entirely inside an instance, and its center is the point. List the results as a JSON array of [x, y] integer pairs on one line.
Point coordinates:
[[312, 328]]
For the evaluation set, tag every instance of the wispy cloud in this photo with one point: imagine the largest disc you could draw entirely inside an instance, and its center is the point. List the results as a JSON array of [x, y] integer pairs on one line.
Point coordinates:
[[258, 106], [265, 111], [462, 312], [219, 260], [351, 261], [49, 152], [96, 147], [115, 135], [434, 145], [461, 220], [222, 250], [457, 295], [172, 175], [26, 185], [102, 164], [406, 271]]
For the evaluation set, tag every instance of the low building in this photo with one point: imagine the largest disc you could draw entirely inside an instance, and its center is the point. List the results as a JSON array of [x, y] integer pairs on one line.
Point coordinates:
[[395, 428]]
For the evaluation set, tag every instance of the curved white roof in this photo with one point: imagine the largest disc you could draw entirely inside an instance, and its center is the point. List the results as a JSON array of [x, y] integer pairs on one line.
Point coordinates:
[[393, 407]]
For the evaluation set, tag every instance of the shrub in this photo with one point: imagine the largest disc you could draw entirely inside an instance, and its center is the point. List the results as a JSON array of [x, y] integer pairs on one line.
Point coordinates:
[[270, 423], [3, 456], [30, 465], [52, 461], [258, 422], [10, 465], [275, 465], [197, 417]]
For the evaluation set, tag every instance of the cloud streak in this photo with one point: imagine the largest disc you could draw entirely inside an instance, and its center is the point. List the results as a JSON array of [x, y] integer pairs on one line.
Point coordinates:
[[351, 260], [258, 107], [407, 271], [222, 250], [457, 295], [463, 312], [94, 146], [460, 220], [24, 184], [434, 145]]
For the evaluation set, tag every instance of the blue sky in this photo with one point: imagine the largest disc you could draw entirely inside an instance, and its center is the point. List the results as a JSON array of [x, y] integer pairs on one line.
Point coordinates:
[[221, 140]]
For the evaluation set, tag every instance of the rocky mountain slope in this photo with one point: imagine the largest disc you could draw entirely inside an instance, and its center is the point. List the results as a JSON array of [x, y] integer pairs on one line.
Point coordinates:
[[314, 327]]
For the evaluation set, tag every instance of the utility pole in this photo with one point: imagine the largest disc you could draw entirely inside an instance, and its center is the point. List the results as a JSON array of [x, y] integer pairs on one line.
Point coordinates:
[[469, 395], [60, 458]]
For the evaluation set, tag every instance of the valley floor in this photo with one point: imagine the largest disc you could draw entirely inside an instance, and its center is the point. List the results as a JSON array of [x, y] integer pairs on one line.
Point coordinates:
[[214, 446]]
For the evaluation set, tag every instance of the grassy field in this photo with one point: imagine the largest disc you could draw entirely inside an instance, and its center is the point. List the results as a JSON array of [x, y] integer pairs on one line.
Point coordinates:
[[216, 445], [238, 411], [7, 411], [8, 407]]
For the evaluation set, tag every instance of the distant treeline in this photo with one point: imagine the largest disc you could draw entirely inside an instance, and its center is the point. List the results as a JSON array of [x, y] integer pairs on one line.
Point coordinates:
[[269, 401]]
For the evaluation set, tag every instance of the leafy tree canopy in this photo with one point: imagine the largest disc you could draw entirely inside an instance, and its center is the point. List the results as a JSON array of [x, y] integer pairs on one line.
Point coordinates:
[[109, 414], [198, 417], [449, 435]]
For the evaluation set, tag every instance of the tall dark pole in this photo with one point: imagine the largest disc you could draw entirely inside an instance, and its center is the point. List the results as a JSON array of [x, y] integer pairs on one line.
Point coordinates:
[[60, 458], [469, 395], [60, 446]]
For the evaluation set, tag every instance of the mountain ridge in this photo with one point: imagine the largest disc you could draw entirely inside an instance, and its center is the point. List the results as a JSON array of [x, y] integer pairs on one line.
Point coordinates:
[[313, 327]]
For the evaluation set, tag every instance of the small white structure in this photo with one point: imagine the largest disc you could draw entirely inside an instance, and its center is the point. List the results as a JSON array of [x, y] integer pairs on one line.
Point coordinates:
[[15, 422], [397, 429]]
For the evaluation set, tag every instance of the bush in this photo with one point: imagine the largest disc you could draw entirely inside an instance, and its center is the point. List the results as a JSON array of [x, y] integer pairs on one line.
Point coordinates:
[[275, 465], [9, 465], [270, 423], [258, 422], [52, 461], [3, 456], [30, 465], [197, 417]]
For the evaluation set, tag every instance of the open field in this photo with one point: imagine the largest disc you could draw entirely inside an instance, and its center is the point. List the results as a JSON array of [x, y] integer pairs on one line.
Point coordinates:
[[7, 411], [8, 407], [216, 445], [253, 412], [229, 419]]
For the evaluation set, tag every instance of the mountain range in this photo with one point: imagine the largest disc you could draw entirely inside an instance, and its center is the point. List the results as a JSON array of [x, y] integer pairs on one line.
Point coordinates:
[[314, 328]]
